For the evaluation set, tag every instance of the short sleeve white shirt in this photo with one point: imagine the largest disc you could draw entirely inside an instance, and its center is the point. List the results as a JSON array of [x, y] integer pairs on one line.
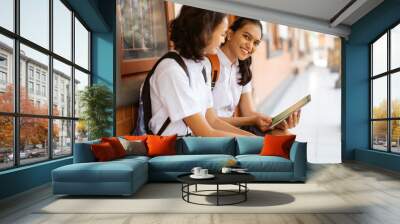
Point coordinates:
[[175, 95], [227, 91]]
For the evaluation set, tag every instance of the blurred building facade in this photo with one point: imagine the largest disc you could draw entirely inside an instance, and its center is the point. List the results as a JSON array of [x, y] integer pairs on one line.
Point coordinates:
[[34, 82]]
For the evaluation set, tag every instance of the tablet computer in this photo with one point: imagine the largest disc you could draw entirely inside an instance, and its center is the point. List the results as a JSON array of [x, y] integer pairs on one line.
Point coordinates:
[[286, 113]]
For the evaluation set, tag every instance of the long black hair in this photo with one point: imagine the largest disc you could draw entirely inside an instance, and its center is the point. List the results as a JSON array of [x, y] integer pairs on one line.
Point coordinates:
[[244, 65], [192, 30]]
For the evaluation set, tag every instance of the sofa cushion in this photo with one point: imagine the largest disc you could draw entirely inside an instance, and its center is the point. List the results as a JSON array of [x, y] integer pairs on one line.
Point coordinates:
[[134, 147], [135, 137], [207, 145], [111, 171], [249, 145], [185, 163], [257, 163], [116, 145], [103, 152], [161, 145], [93, 172], [131, 158], [277, 145], [83, 152]]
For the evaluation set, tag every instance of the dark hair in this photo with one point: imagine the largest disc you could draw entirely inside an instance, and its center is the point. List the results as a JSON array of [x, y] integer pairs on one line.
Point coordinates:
[[244, 65], [192, 29]]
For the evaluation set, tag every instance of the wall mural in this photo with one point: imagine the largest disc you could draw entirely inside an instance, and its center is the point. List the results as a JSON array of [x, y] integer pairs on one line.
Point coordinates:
[[287, 64]]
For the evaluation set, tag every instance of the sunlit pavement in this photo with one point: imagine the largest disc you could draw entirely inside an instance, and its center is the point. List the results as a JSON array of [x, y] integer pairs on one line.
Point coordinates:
[[320, 119]]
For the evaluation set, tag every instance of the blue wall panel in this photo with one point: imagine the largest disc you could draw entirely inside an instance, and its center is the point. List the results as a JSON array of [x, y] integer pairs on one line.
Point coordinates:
[[357, 99], [24, 178], [356, 84], [89, 11], [376, 22], [104, 53], [103, 65], [377, 158]]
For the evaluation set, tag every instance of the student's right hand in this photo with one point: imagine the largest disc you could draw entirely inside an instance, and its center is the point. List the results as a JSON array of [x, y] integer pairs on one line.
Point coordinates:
[[290, 122], [263, 122]]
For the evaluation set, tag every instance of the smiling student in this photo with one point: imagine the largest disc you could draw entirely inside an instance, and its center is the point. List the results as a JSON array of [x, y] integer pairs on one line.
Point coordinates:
[[181, 101], [233, 88]]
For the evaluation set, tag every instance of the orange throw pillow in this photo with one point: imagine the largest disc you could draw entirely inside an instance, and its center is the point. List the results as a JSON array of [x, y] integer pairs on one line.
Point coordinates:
[[103, 152], [275, 145], [161, 145], [116, 145]]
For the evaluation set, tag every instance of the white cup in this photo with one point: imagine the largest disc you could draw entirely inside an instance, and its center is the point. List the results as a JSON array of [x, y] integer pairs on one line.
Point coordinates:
[[226, 170], [203, 172], [196, 170]]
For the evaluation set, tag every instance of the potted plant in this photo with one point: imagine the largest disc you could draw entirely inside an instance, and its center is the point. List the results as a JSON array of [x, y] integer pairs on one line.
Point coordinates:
[[96, 103]]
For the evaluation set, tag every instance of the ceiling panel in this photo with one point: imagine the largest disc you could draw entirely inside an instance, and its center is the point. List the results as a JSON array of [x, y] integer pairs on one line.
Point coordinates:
[[321, 9], [312, 15]]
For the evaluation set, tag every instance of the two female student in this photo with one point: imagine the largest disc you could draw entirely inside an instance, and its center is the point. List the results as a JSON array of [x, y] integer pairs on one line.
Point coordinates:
[[180, 92], [233, 88]]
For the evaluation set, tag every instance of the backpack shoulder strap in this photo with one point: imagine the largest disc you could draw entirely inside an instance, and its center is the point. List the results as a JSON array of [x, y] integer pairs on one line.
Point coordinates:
[[215, 68], [178, 59], [146, 99]]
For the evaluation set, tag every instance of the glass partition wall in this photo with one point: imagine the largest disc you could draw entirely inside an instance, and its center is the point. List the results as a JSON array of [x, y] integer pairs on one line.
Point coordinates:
[[385, 91], [44, 64]]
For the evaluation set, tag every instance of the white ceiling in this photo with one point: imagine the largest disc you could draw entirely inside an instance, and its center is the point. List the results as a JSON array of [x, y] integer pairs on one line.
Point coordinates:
[[321, 9], [315, 15]]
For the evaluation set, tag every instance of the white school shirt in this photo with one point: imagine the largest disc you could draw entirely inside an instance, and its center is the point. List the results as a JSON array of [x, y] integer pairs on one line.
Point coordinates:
[[227, 91], [175, 95]]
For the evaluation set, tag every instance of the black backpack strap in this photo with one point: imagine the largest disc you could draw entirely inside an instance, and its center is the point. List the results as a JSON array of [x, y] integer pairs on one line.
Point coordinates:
[[146, 99], [215, 77], [164, 126]]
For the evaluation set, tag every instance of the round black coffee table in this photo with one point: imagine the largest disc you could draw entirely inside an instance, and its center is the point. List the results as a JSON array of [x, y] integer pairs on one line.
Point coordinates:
[[238, 179]]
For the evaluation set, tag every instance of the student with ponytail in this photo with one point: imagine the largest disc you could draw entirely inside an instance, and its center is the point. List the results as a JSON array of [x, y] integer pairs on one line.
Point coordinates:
[[233, 88]]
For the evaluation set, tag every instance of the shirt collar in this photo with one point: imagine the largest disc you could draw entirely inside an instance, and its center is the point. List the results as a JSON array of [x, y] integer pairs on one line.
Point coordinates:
[[191, 64], [224, 59]]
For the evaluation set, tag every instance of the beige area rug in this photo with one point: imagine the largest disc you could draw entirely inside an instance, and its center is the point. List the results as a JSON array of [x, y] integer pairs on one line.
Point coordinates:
[[166, 198]]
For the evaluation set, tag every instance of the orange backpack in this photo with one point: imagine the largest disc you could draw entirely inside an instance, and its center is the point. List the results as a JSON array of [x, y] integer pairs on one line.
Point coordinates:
[[215, 67]]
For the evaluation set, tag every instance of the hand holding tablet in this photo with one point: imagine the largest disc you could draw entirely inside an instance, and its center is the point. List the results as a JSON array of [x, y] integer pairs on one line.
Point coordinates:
[[286, 113]]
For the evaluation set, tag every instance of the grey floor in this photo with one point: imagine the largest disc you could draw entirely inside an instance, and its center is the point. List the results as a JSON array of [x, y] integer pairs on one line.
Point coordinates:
[[377, 188]]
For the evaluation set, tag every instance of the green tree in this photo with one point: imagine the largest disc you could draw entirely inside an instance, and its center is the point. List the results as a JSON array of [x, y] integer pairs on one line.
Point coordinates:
[[96, 102]]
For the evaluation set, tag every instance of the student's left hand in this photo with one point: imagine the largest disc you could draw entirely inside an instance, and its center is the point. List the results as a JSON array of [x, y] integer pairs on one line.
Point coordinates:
[[263, 122], [290, 122]]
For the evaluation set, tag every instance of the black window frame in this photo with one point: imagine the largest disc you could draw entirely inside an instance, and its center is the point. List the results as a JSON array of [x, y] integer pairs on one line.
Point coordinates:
[[16, 115], [388, 74]]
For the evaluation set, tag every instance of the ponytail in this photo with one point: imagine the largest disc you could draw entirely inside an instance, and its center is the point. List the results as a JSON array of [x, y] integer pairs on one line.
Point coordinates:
[[245, 71]]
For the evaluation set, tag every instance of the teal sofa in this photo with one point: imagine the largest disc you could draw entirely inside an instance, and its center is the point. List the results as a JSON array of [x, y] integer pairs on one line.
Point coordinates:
[[125, 176]]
